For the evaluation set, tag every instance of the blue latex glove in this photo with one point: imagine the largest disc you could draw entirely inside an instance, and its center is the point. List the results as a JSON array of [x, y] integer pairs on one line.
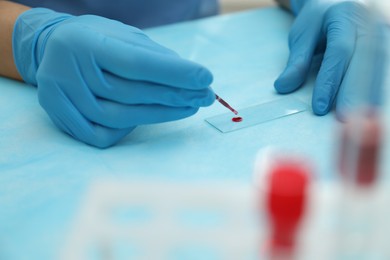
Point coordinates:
[[98, 78], [342, 33]]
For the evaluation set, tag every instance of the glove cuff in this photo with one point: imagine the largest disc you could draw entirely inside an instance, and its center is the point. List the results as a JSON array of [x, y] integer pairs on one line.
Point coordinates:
[[27, 40]]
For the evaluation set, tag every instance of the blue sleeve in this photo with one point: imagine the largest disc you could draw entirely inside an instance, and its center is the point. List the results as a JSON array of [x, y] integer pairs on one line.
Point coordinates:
[[142, 14]]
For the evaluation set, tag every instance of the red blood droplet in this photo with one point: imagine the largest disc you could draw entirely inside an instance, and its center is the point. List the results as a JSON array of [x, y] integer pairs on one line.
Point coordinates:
[[237, 119]]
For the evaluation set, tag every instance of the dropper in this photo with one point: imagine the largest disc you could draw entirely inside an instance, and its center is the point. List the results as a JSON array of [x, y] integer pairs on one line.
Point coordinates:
[[225, 104]]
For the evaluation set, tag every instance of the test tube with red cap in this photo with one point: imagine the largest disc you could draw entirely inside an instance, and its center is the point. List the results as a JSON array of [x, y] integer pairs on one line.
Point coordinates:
[[361, 139], [286, 199]]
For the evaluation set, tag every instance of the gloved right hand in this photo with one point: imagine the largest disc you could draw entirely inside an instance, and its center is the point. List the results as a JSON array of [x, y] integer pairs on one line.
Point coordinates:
[[350, 38], [98, 78]]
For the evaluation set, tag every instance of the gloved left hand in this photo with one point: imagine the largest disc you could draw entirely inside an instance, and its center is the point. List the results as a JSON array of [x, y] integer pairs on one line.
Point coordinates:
[[341, 31], [98, 78]]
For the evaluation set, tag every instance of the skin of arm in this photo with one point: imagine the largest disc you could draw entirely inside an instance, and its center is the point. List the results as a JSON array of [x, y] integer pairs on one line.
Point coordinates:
[[9, 12]]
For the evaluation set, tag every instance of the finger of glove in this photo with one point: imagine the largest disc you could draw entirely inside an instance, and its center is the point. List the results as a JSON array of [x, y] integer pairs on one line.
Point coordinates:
[[303, 40], [137, 63], [70, 120], [354, 85], [132, 92], [362, 83], [341, 38], [116, 115]]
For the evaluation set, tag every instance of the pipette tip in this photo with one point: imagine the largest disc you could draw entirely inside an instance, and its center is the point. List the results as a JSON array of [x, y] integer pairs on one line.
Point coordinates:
[[225, 104]]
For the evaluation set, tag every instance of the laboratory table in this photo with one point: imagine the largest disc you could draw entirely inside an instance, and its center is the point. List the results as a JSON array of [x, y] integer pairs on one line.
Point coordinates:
[[44, 172]]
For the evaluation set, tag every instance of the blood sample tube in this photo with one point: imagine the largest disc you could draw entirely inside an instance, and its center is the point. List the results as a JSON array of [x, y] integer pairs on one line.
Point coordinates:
[[285, 205], [361, 139]]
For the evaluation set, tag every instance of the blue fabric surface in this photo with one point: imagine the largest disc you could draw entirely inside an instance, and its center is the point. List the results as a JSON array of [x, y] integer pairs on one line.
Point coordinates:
[[140, 14], [44, 173]]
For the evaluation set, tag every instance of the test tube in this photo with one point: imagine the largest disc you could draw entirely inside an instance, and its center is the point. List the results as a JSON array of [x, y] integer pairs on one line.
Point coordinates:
[[285, 203], [361, 138], [359, 230]]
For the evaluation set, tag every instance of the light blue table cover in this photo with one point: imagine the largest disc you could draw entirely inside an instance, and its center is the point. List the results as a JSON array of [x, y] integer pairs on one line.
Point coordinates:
[[44, 173]]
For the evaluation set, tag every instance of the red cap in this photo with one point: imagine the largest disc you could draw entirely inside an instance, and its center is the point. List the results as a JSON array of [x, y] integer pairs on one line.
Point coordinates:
[[286, 200]]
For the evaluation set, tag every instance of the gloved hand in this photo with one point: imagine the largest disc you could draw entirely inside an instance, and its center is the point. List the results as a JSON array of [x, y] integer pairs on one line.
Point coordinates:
[[98, 79], [343, 32]]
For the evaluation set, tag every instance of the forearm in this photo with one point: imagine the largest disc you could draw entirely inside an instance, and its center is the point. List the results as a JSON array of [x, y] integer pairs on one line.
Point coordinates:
[[9, 12]]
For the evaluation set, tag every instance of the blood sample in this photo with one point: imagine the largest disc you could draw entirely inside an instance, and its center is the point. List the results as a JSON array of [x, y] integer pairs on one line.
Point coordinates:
[[360, 148], [237, 119], [225, 104], [286, 201]]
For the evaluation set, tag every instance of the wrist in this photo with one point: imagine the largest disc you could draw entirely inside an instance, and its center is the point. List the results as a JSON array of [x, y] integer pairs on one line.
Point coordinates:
[[28, 40]]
